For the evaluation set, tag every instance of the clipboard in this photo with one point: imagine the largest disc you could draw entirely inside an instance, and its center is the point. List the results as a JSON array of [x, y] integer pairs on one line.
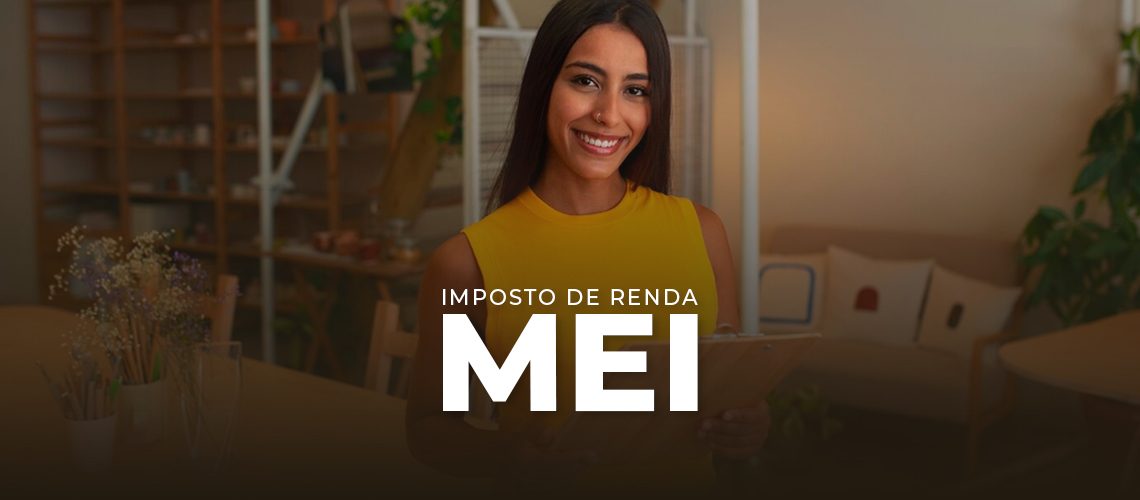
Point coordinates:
[[734, 371]]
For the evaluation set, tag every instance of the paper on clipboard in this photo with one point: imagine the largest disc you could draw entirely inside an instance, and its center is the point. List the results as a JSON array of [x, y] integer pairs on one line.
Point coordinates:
[[735, 371]]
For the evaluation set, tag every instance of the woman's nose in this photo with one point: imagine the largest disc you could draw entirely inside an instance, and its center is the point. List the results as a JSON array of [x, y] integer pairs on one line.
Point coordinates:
[[606, 109]]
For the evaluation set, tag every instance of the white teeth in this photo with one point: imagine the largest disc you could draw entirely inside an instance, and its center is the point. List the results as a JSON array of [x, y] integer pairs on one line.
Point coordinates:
[[597, 142]]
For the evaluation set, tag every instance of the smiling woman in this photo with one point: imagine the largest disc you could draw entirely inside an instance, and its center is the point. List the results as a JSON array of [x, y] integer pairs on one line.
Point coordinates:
[[581, 202]]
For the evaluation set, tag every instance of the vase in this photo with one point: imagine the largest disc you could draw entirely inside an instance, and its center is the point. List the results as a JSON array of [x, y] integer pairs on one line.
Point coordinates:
[[92, 443], [209, 407], [141, 412]]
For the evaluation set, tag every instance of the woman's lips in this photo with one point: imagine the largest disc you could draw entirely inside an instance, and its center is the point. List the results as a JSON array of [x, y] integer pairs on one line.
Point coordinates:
[[602, 145]]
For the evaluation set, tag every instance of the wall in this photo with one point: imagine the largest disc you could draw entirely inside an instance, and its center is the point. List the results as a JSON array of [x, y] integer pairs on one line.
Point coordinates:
[[17, 254], [948, 116]]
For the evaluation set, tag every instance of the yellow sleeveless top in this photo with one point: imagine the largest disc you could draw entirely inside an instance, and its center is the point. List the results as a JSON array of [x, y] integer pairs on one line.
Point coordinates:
[[649, 242]]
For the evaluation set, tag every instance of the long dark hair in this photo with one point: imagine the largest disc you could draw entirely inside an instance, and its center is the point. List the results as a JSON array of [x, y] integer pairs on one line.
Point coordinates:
[[648, 164]]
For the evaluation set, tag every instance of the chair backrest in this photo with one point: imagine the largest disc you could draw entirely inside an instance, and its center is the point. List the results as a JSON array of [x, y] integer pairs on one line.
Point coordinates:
[[388, 341], [220, 308]]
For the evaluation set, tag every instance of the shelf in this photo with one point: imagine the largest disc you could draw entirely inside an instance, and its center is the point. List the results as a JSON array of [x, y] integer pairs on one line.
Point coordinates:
[[73, 49], [175, 147], [72, 3], [97, 103], [194, 247], [167, 96], [276, 95], [230, 148], [145, 45], [82, 188], [385, 269], [73, 96], [76, 143], [170, 195], [302, 40], [298, 203], [182, 96]]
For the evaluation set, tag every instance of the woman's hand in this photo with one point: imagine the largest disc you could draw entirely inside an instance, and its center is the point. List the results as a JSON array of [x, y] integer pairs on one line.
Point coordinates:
[[738, 433]]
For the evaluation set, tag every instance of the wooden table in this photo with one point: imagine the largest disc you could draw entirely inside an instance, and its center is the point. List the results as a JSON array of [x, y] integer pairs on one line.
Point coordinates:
[[294, 432], [1101, 359]]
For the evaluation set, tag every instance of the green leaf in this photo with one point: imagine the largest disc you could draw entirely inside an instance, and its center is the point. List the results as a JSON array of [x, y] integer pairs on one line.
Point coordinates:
[[1052, 214], [425, 106], [1107, 246], [1079, 210], [1095, 170], [405, 40], [436, 47]]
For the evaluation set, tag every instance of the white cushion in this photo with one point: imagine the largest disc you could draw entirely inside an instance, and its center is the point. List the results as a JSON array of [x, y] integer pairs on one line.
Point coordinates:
[[959, 309], [791, 292], [874, 300]]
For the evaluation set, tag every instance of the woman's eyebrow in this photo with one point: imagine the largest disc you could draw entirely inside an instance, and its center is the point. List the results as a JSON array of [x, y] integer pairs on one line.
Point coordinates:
[[600, 71]]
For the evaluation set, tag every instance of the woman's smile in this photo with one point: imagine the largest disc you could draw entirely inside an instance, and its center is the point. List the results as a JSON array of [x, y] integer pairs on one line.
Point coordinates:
[[599, 144]]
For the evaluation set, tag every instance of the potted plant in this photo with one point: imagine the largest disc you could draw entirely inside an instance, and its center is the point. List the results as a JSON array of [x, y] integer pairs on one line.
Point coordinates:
[[801, 422], [1086, 263]]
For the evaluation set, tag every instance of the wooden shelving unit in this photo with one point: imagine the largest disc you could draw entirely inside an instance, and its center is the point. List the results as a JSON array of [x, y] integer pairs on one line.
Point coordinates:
[[103, 72]]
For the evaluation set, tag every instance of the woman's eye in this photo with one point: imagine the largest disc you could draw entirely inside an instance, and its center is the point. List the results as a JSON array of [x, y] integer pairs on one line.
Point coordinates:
[[638, 91], [584, 81]]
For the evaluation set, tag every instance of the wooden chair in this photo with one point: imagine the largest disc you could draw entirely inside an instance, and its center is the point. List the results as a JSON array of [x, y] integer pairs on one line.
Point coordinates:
[[388, 341], [220, 308]]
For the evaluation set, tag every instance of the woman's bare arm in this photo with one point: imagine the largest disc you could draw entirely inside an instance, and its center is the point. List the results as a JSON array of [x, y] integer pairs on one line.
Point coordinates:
[[741, 432], [720, 255], [443, 439]]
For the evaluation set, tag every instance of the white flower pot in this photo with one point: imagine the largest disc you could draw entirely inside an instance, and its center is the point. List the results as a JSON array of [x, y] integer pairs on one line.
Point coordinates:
[[92, 443], [142, 412]]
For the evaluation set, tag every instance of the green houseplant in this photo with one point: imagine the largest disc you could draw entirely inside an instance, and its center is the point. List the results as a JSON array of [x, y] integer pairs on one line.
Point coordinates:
[[1086, 263]]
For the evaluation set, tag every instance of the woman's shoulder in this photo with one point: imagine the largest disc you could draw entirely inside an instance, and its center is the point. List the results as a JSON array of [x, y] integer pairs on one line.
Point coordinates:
[[707, 218]]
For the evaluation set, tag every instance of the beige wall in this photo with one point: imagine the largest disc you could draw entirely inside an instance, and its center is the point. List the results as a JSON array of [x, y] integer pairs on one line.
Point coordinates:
[[950, 116], [17, 253]]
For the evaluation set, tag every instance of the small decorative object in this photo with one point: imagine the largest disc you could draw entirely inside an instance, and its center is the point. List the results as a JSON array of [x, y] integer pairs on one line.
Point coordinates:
[[369, 249], [291, 86], [247, 84], [323, 241], [184, 181], [87, 397], [347, 243], [393, 231], [405, 250], [202, 133], [146, 314], [287, 29]]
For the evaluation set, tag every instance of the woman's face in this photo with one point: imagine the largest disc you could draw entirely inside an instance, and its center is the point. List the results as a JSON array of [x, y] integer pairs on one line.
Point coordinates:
[[599, 105]]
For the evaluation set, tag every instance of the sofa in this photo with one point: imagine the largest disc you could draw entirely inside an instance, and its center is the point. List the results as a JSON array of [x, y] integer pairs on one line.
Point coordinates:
[[970, 389]]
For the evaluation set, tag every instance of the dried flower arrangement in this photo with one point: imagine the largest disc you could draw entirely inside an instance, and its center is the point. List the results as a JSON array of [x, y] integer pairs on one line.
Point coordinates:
[[147, 308]]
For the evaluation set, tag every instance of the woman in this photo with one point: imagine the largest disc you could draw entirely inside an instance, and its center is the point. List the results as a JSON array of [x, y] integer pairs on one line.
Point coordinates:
[[582, 204]]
